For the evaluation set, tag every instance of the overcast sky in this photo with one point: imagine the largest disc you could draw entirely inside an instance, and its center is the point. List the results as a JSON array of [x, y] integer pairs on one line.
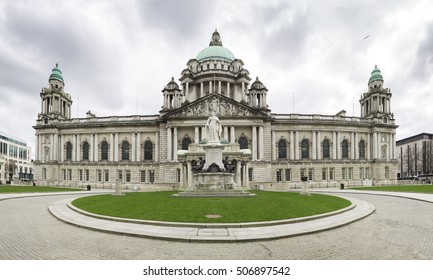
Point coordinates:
[[116, 56]]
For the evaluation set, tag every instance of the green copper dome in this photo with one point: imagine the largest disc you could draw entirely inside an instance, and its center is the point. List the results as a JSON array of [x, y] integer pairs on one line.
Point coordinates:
[[56, 74], [215, 50], [375, 75]]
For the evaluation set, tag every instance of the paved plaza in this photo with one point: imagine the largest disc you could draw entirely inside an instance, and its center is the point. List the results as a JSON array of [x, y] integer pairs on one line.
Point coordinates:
[[400, 228]]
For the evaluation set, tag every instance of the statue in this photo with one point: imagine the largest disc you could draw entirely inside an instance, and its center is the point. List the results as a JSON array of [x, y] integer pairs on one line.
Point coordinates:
[[213, 128], [198, 167], [230, 167]]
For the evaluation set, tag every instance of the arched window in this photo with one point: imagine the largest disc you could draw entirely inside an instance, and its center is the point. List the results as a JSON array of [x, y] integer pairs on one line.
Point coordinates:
[[148, 150], [104, 150], [282, 149], [345, 149], [305, 149], [185, 143], [125, 150], [243, 142], [326, 149], [68, 151], [85, 151], [361, 148]]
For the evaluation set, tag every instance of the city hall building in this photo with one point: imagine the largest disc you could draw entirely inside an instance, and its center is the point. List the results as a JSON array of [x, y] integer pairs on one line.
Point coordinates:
[[146, 150]]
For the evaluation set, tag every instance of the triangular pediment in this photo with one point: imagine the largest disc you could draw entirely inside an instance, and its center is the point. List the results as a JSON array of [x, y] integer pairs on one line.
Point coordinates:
[[220, 104]]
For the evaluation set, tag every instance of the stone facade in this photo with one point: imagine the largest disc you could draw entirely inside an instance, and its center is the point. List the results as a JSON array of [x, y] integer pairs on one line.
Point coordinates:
[[146, 151]]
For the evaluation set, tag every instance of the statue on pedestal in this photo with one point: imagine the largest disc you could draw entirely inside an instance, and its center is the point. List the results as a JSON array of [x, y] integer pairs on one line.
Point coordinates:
[[213, 128]]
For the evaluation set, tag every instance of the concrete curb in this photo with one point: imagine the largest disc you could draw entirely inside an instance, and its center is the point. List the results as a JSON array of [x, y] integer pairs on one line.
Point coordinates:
[[220, 233]]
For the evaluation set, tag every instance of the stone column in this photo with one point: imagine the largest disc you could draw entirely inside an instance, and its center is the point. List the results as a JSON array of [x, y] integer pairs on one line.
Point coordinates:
[[238, 173], [196, 135], [313, 154], [318, 145], [74, 148], [203, 133], [352, 146], [78, 158], [156, 151], [55, 147], [232, 134], [292, 146], [334, 145], [91, 147], [133, 146], [247, 181], [187, 88], [201, 89], [111, 147], [356, 146], [273, 146], [210, 87], [368, 147], [116, 147], [138, 149], [375, 145], [175, 144], [261, 145], [219, 86], [254, 147], [228, 89], [226, 133], [96, 148], [37, 147], [297, 145], [62, 149], [189, 175], [169, 144]]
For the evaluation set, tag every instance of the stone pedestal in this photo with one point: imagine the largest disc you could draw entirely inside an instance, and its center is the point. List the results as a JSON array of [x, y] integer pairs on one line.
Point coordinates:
[[214, 154], [304, 189], [118, 187]]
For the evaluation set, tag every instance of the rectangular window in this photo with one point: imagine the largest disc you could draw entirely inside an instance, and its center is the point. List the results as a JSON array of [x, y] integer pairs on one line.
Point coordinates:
[[367, 172], [151, 176], [288, 174], [128, 175], [142, 176], [99, 175], [350, 174], [386, 172], [361, 173], [86, 175], [64, 174], [44, 173], [303, 173], [70, 174], [331, 173], [250, 174], [80, 172], [120, 175], [343, 173], [106, 175], [178, 175], [324, 173], [278, 175], [310, 174]]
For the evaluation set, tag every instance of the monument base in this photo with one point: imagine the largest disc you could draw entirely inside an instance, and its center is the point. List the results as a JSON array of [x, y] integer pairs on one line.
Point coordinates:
[[214, 184]]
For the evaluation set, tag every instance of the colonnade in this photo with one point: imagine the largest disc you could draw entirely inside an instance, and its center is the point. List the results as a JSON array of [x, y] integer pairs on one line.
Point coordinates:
[[56, 145], [375, 146]]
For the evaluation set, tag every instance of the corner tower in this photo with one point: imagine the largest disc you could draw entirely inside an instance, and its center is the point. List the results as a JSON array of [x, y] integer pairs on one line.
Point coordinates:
[[55, 102], [376, 102]]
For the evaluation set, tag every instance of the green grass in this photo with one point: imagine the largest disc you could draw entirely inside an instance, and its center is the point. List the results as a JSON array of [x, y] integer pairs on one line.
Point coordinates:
[[410, 188], [266, 206], [33, 189]]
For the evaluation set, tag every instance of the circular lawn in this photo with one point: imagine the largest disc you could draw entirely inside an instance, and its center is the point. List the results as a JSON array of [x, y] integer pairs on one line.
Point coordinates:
[[161, 206]]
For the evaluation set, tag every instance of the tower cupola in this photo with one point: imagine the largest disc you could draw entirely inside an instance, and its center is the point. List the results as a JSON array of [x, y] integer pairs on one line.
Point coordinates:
[[376, 102]]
